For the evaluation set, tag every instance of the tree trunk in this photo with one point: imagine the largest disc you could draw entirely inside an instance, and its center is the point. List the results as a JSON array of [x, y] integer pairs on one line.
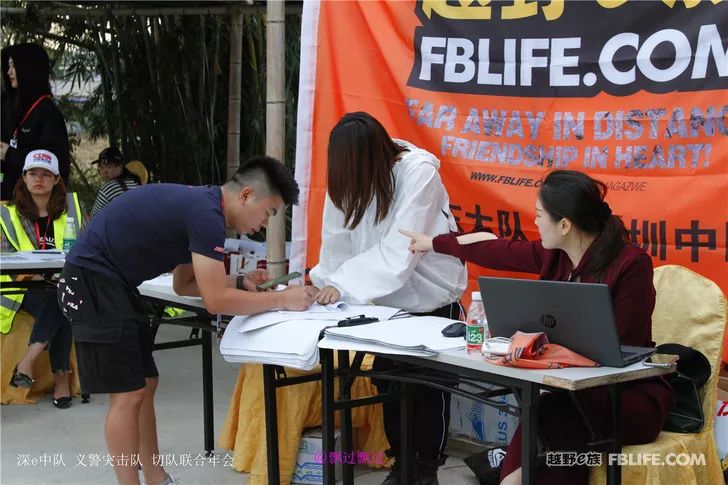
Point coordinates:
[[204, 70], [276, 124]]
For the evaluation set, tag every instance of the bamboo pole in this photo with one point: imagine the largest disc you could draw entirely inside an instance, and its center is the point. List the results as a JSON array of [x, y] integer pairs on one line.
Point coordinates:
[[235, 85], [214, 73], [275, 124], [106, 79]]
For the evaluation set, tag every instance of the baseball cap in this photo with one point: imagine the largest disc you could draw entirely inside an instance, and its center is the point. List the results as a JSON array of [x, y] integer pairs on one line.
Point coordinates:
[[110, 155], [41, 159]]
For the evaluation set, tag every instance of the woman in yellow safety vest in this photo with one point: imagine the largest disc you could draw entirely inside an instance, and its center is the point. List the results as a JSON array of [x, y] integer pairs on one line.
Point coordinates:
[[36, 219]]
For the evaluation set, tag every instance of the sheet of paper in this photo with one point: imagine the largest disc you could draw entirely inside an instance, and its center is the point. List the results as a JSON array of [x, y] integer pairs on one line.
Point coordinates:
[[332, 308], [261, 320], [165, 279], [414, 332]]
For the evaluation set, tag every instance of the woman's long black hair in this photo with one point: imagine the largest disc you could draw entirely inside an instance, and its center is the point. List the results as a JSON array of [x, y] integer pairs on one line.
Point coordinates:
[[360, 158], [580, 198]]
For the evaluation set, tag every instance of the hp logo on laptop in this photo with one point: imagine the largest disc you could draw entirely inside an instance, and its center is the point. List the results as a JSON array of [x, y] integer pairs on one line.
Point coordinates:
[[548, 321]]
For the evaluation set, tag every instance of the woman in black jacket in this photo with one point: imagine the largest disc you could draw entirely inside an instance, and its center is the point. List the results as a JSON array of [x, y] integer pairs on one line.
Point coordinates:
[[7, 103], [31, 118]]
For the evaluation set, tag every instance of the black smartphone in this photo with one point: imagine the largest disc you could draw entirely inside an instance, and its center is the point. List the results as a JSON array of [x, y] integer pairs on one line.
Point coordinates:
[[277, 281]]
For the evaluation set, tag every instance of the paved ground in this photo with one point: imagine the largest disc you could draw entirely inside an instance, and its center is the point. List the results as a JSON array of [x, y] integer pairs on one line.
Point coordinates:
[[30, 432]]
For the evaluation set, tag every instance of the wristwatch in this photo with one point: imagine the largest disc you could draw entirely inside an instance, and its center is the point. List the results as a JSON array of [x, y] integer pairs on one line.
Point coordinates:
[[240, 282]]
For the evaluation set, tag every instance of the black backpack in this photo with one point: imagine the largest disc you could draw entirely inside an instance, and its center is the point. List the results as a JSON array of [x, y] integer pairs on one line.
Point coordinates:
[[487, 464], [693, 371]]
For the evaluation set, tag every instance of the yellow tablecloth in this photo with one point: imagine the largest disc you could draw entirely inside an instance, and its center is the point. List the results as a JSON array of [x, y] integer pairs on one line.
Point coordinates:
[[13, 346], [299, 407]]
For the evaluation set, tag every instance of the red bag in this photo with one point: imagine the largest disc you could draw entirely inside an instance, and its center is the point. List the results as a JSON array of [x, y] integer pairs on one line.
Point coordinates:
[[533, 351]]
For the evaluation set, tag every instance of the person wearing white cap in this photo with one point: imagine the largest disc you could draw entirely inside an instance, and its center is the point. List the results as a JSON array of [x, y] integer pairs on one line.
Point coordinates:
[[41, 159], [35, 220]]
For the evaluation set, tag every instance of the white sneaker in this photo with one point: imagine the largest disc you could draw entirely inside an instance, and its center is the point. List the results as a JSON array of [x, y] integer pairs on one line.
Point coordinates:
[[171, 481]]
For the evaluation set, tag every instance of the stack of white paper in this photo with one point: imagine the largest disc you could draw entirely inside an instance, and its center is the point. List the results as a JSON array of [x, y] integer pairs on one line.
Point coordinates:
[[287, 338], [405, 336], [291, 343]]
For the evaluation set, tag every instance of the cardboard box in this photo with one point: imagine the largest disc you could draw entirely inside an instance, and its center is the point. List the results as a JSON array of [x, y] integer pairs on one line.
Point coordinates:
[[480, 422], [247, 254], [721, 432], [309, 464]]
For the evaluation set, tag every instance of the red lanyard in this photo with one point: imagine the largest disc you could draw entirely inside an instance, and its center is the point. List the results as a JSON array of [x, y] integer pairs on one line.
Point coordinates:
[[45, 234], [30, 110]]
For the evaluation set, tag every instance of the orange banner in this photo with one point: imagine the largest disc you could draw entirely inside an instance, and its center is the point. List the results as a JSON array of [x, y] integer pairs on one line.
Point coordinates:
[[503, 92]]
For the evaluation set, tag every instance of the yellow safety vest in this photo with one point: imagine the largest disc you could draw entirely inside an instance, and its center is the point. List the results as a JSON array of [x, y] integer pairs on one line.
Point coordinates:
[[173, 312], [16, 235]]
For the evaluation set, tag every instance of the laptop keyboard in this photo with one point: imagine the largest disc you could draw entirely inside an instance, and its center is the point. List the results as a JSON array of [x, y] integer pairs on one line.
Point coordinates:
[[628, 354]]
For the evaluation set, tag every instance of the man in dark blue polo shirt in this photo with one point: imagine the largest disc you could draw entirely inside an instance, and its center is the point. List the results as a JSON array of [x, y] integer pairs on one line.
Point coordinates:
[[141, 234]]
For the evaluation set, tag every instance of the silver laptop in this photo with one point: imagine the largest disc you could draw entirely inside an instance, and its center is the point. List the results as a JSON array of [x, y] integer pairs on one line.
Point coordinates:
[[578, 316]]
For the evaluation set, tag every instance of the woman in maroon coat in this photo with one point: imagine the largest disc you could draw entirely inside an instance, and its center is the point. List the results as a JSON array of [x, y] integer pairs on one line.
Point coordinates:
[[580, 241]]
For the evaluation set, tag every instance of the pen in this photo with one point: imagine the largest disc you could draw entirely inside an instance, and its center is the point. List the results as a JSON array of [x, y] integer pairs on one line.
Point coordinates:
[[400, 314], [46, 251]]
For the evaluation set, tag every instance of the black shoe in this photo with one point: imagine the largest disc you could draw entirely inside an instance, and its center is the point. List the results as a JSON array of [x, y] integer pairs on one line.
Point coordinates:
[[62, 402], [426, 473], [393, 476], [21, 380]]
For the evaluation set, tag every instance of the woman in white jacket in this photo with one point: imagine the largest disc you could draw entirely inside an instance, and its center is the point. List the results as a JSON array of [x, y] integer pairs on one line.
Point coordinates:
[[377, 184]]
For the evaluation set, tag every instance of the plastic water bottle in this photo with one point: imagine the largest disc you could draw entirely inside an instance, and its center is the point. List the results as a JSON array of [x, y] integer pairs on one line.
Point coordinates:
[[69, 233], [476, 325]]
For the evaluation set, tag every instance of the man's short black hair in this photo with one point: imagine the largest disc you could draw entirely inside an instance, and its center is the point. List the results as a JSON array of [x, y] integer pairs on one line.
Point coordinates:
[[269, 176]]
